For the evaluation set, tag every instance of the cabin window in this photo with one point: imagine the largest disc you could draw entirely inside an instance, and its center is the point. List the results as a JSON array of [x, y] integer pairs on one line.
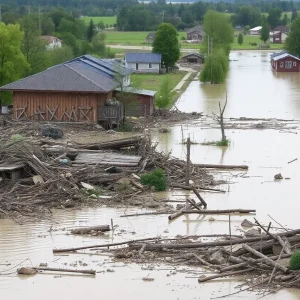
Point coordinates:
[[288, 64], [294, 64], [136, 66], [150, 66], [281, 64]]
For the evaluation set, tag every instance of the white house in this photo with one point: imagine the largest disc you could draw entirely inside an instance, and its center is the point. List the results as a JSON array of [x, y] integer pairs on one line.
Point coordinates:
[[256, 30], [51, 41], [141, 62]]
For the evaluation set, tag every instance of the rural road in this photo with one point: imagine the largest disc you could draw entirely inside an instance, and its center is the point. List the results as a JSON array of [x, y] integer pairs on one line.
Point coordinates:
[[147, 48]]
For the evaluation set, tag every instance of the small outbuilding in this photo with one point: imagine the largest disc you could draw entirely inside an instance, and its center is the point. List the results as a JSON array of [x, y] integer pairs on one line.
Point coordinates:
[[285, 62], [142, 101], [75, 91], [143, 62], [150, 38], [256, 30], [51, 41], [277, 37], [192, 58], [195, 34]]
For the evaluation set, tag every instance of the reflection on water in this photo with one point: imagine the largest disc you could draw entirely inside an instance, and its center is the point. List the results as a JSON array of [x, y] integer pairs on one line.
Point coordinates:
[[254, 90]]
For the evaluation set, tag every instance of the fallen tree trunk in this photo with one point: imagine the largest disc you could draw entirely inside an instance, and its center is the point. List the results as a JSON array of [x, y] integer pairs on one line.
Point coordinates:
[[86, 230], [199, 197], [90, 272], [212, 244], [207, 278], [179, 212], [266, 259], [219, 211], [189, 188], [210, 166]]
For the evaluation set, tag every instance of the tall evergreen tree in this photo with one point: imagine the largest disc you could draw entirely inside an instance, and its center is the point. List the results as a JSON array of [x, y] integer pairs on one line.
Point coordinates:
[[91, 30]]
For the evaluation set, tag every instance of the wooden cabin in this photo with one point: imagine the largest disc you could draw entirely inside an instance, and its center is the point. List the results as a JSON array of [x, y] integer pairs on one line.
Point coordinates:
[[285, 62], [75, 91]]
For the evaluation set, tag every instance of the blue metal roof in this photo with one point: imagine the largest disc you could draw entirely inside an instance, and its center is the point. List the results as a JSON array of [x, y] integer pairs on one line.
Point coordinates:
[[140, 57]]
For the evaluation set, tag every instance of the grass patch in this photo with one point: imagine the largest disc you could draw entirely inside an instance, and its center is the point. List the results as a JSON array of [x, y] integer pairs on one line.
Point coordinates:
[[220, 143], [156, 178], [131, 37], [152, 81], [126, 127], [252, 39], [295, 261], [106, 20], [96, 191]]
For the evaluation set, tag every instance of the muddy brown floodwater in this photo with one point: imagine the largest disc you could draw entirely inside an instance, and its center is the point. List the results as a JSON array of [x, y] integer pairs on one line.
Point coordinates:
[[254, 90]]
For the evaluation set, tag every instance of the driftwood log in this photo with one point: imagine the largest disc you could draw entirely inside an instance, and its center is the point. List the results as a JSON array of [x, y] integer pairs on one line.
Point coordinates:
[[87, 230], [210, 166]]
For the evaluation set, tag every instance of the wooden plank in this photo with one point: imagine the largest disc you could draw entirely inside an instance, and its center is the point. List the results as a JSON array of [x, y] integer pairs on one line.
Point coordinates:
[[4, 168]]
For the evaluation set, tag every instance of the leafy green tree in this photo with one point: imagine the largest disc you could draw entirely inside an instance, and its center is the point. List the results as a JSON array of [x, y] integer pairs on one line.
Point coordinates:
[[265, 32], [12, 61], [285, 21], [98, 44], [215, 68], [292, 43], [47, 26], [246, 29], [59, 55], [166, 43], [32, 46], [240, 39], [91, 30], [219, 32], [70, 40], [10, 17], [164, 96], [274, 17], [76, 27], [294, 15]]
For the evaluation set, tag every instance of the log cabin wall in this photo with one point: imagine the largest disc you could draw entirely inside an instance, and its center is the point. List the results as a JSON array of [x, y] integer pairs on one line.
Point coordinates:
[[57, 106]]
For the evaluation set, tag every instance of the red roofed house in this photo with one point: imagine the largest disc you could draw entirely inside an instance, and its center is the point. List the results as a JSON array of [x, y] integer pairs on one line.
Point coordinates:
[[285, 62]]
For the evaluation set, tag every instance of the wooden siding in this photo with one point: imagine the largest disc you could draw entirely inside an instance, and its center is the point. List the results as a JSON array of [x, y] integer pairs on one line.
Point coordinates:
[[57, 106], [142, 107], [281, 64]]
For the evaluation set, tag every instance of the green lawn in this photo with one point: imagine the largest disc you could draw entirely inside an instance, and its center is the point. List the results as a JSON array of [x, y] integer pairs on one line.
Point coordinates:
[[252, 39], [105, 20], [153, 81], [130, 37]]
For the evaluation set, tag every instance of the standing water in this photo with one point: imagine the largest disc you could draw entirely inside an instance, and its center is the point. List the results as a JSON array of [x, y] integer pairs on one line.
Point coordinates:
[[254, 90]]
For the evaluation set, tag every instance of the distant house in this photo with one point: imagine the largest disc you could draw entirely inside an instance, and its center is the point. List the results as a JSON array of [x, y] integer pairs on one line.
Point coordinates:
[[195, 34], [193, 58], [256, 30], [277, 37], [150, 38], [144, 104], [51, 41], [142, 62], [75, 91], [285, 62], [282, 28]]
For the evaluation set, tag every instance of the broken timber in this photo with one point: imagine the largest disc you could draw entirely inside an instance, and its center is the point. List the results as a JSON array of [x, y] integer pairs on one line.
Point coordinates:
[[211, 166]]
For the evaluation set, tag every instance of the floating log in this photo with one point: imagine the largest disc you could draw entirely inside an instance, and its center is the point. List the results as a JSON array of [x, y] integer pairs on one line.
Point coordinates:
[[90, 272], [189, 188], [193, 203], [199, 197], [86, 230], [210, 166], [207, 278], [212, 244], [116, 144], [266, 259], [179, 212], [219, 211]]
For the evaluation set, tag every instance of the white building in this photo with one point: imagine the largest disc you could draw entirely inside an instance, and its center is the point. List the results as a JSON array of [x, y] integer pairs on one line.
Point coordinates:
[[256, 30], [141, 62], [51, 41]]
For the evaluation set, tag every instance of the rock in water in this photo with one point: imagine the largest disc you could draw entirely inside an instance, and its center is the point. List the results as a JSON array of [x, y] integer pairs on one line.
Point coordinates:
[[278, 176]]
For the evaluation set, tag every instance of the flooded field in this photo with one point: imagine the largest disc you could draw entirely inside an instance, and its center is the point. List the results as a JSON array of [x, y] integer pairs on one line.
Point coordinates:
[[254, 90]]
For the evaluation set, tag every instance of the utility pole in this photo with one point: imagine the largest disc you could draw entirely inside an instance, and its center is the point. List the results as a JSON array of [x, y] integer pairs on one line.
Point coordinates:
[[208, 42], [163, 17], [40, 27], [0, 13]]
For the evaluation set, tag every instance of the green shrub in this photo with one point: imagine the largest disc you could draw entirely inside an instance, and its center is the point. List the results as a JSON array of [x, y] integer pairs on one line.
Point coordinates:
[[156, 178], [295, 261], [222, 143]]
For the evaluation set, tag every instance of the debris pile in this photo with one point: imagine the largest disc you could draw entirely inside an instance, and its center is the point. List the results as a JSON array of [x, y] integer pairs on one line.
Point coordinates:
[[54, 175]]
